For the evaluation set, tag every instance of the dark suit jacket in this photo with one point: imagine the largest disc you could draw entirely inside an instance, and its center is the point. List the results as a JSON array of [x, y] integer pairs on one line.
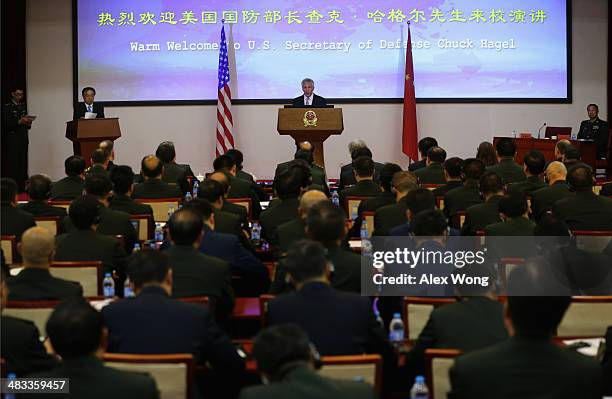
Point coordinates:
[[196, 274], [317, 102], [461, 198], [90, 379], [67, 188], [123, 203], [271, 218], [370, 205], [155, 188], [511, 227], [237, 210], [365, 188], [87, 245], [479, 216], [543, 199], [417, 165], [80, 109], [288, 233], [97, 170], [243, 189], [347, 269], [508, 170], [606, 190], [39, 285], [432, 174], [585, 211], [388, 217], [527, 186], [450, 185], [241, 174], [177, 174], [347, 178], [21, 347], [42, 208], [301, 382], [227, 222], [15, 221], [598, 131], [525, 368]]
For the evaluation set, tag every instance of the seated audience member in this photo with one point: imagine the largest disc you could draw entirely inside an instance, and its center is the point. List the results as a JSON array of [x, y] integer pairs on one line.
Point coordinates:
[[295, 230], [424, 145], [530, 364], [39, 188], [287, 361], [571, 157], [155, 323], [214, 190], [461, 198], [390, 216], [122, 177], [479, 216], [288, 187], [486, 154], [153, 186], [363, 168], [73, 184], [319, 180], [416, 201], [77, 333], [21, 347], [35, 282], [196, 274], [238, 188], [534, 163], [337, 322], [357, 148], [241, 174], [99, 163], [585, 210], [84, 242], [14, 221], [606, 190], [543, 199], [507, 168], [281, 167], [173, 172], [433, 173], [242, 262], [514, 212], [453, 167], [109, 147], [475, 321], [560, 148]]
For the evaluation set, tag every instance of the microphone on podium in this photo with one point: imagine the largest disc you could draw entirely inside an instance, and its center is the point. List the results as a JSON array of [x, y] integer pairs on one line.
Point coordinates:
[[540, 129]]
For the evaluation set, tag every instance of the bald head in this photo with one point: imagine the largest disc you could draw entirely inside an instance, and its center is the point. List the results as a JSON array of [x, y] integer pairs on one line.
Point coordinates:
[[560, 148], [37, 247], [152, 167], [222, 178], [305, 145], [309, 199], [555, 171]]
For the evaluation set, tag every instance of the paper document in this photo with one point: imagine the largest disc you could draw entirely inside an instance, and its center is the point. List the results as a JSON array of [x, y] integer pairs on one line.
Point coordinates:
[[90, 115]]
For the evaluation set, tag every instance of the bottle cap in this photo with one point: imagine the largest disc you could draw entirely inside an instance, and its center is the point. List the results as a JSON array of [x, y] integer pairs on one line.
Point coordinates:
[[396, 316], [107, 275], [420, 378]]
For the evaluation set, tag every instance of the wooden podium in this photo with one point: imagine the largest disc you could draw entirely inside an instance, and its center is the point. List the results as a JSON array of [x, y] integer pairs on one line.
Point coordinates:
[[86, 134], [311, 124]]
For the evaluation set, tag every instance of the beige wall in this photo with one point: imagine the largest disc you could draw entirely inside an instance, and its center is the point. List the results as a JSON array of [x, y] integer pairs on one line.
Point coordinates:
[[458, 127]]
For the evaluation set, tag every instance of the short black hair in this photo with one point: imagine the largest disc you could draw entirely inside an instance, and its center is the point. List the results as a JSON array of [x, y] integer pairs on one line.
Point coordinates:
[[491, 183], [549, 226], [475, 270], [8, 190], [165, 151], [39, 187], [572, 152], [386, 175], [535, 162], [426, 143], [580, 177], [146, 267], [99, 156], [305, 260], [513, 205], [363, 166], [98, 185], [361, 152], [122, 177], [279, 345], [454, 167], [505, 147], [87, 88], [201, 206], [237, 156], [84, 212], [151, 173], [306, 155], [75, 328], [226, 179], [429, 222], [211, 190], [436, 154], [185, 226], [473, 168], [419, 200], [288, 184], [325, 223], [562, 146], [301, 169], [223, 162], [593, 105], [537, 316], [74, 165]]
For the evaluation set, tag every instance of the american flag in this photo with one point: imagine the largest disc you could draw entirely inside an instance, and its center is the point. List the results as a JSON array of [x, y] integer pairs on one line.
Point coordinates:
[[225, 124]]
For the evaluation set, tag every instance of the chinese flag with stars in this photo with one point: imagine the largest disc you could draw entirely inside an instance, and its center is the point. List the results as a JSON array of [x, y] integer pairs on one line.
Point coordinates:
[[409, 133]]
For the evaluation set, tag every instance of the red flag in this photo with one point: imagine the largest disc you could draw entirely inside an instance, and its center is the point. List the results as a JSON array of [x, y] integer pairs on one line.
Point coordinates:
[[409, 133]]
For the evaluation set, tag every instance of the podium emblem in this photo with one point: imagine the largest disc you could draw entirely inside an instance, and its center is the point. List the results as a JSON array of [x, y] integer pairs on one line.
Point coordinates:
[[310, 118]]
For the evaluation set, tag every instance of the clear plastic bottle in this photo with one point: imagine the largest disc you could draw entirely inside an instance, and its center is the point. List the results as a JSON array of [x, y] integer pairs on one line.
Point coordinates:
[[128, 292], [396, 330], [159, 234], [256, 233], [364, 232], [196, 188], [419, 390], [136, 248], [188, 196], [335, 198], [108, 286], [170, 212], [9, 377]]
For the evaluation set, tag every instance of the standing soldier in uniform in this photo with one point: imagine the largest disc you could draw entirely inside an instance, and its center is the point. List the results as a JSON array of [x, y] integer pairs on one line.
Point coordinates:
[[16, 122]]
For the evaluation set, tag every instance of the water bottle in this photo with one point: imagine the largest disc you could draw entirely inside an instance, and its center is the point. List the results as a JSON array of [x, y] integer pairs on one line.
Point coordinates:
[[419, 390], [396, 330], [364, 233], [10, 377], [256, 233], [170, 212], [335, 198], [128, 292], [136, 248], [108, 286], [159, 233], [188, 196], [379, 319], [196, 188]]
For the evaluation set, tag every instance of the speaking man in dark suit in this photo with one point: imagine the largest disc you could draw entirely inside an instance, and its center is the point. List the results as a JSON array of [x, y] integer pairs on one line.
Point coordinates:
[[73, 184], [122, 177], [595, 129], [309, 99], [39, 188], [543, 199], [14, 221], [155, 323], [35, 282], [153, 186], [530, 364], [479, 216], [77, 334], [88, 105]]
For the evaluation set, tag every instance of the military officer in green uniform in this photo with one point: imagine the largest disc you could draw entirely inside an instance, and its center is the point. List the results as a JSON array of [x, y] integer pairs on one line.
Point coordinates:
[[16, 123]]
